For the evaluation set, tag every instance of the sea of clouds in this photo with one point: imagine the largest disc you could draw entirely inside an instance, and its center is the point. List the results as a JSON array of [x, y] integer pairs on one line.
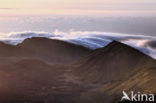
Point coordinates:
[[92, 40]]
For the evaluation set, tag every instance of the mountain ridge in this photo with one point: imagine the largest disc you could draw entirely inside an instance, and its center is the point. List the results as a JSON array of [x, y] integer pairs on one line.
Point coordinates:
[[109, 63], [53, 51]]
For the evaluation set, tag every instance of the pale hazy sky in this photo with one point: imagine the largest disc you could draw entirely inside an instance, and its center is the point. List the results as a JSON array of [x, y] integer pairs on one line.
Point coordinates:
[[74, 6]]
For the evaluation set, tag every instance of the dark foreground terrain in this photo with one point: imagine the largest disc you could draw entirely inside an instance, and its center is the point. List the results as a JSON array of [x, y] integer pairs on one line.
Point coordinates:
[[41, 70]]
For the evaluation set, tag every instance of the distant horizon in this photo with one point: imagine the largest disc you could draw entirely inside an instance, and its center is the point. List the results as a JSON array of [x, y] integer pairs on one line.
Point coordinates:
[[80, 7], [117, 16]]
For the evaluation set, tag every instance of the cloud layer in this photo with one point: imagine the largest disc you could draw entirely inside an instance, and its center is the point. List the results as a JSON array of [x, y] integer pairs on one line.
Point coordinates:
[[92, 40]]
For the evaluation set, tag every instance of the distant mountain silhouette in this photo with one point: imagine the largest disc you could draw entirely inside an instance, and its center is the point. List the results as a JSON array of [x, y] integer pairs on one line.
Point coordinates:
[[110, 63], [53, 51]]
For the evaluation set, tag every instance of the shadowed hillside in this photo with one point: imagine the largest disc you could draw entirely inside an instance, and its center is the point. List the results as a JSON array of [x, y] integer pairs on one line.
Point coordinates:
[[115, 68], [52, 51], [5, 49], [110, 63], [32, 72], [141, 80], [34, 81]]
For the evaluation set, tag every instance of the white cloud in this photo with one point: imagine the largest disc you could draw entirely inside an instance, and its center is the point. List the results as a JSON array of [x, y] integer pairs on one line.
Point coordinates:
[[92, 40]]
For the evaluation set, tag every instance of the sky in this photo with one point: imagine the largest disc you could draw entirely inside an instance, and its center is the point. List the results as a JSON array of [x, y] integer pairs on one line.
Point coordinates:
[[119, 16], [76, 6]]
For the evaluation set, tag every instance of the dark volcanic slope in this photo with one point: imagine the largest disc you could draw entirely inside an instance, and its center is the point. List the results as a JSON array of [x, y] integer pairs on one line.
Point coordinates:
[[115, 68], [142, 79], [5, 50], [34, 81], [52, 51], [110, 63], [28, 73]]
